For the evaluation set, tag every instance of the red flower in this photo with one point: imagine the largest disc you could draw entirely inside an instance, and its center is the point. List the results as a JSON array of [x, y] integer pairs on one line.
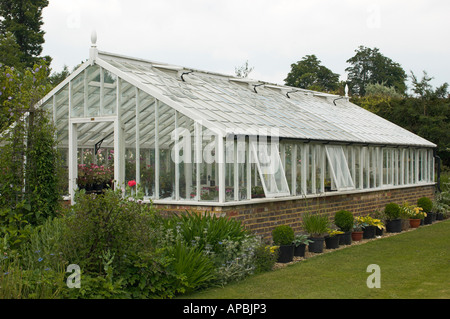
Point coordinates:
[[132, 183]]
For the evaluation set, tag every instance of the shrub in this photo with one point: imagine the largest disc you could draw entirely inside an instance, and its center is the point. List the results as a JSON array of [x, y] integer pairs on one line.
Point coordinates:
[[283, 235], [205, 231], [192, 268], [344, 220], [392, 211], [315, 225], [425, 203]]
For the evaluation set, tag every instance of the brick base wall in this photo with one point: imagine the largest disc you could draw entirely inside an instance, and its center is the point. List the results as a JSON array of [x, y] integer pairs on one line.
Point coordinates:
[[261, 218]]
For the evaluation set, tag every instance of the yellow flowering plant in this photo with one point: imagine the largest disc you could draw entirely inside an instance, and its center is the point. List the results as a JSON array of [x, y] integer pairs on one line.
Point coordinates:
[[412, 212]]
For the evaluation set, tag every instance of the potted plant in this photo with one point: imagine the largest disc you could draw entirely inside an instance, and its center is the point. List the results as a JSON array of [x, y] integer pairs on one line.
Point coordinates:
[[283, 236], [393, 222], [415, 215], [332, 239], [344, 221], [427, 206], [357, 233], [369, 226], [381, 216], [316, 226], [300, 242]]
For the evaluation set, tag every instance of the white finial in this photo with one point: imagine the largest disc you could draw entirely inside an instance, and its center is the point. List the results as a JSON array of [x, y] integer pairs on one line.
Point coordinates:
[[346, 90], [94, 38], [93, 52]]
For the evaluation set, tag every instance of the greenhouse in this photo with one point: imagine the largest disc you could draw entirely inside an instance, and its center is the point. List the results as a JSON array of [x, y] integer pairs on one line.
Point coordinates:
[[182, 135]]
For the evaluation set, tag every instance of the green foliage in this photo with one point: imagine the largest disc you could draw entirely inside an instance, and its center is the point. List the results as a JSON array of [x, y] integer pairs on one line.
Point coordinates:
[[283, 235], [24, 20], [29, 160], [369, 66], [191, 266], [344, 220], [206, 231], [426, 204], [392, 211], [310, 74], [316, 225], [264, 259], [106, 222]]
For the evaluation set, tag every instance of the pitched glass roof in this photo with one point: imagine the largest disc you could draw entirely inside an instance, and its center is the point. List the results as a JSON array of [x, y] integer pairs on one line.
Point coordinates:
[[234, 105], [239, 105]]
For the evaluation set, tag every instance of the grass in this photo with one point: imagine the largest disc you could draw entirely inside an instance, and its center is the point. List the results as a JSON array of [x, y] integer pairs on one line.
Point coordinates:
[[413, 264]]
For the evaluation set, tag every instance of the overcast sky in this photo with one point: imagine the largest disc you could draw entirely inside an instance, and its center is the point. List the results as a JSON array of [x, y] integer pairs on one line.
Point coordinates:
[[219, 35]]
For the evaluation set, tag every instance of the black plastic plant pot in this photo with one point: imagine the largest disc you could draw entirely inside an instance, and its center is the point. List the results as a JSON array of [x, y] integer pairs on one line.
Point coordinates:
[[379, 231], [369, 232], [285, 253], [316, 244], [345, 238], [439, 216], [428, 219], [299, 251], [332, 242], [433, 216], [394, 225]]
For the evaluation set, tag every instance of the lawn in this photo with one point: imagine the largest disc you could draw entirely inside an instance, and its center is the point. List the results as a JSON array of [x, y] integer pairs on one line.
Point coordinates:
[[413, 264]]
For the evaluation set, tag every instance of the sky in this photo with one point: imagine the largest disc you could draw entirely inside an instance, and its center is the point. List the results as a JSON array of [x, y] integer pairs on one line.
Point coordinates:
[[220, 35]]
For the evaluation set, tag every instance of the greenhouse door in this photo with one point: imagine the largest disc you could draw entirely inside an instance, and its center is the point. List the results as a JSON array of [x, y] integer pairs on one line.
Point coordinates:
[[95, 141]]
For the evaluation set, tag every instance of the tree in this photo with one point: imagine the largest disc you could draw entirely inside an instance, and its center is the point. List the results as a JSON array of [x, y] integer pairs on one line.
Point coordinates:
[[24, 20], [369, 66], [10, 51], [309, 74]]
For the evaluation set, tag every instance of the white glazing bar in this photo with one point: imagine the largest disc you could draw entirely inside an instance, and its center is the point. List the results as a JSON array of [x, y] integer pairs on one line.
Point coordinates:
[[304, 167], [294, 169], [73, 165], [138, 138], [198, 156], [313, 168], [249, 169], [86, 92], [361, 167], [54, 109], [353, 168], [236, 171], [157, 159], [417, 166], [102, 90], [221, 165], [322, 168], [177, 165], [402, 167]]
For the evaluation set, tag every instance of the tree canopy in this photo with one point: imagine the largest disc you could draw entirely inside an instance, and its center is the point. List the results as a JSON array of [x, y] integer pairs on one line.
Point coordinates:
[[23, 20], [369, 66], [310, 74]]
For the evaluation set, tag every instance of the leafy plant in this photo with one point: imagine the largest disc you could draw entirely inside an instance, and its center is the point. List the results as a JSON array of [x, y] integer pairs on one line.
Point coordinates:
[[316, 225], [392, 211], [425, 203], [301, 239], [283, 235], [334, 232], [364, 221], [193, 268], [343, 219]]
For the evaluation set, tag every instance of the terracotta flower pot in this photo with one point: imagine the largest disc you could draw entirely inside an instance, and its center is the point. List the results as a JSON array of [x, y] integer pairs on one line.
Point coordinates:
[[414, 223], [357, 235]]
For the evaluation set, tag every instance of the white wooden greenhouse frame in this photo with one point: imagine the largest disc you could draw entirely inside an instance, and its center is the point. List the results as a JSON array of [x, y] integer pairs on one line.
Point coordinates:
[[225, 135]]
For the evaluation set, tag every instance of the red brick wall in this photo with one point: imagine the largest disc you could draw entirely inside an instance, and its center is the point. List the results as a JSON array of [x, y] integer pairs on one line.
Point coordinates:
[[261, 218]]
